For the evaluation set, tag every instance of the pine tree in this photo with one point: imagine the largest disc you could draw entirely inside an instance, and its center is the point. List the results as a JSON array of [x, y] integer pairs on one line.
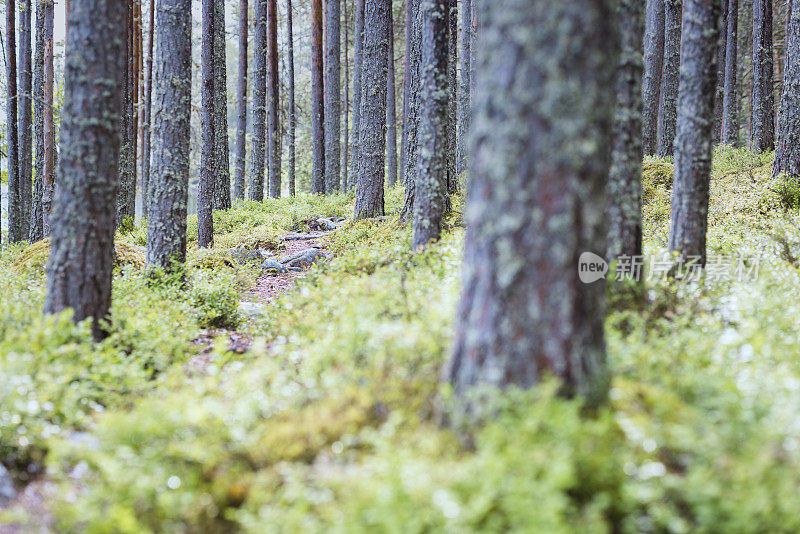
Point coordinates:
[[222, 185], [273, 90], [670, 78], [80, 268], [762, 131], [292, 105], [787, 152], [241, 106], [25, 119], [208, 152], [730, 99], [12, 132], [148, 104], [358, 67], [259, 100], [333, 96], [651, 81]]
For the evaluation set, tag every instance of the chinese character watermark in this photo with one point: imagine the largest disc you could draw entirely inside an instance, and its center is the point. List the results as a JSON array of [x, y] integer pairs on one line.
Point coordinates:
[[718, 267]]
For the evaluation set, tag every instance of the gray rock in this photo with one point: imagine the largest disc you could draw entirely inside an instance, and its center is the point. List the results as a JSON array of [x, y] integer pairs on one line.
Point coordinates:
[[305, 258], [7, 491], [274, 267], [244, 255], [251, 309]]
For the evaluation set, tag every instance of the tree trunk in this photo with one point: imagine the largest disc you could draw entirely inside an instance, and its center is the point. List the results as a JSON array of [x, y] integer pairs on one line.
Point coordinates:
[[166, 225], [372, 141], [148, 103], [358, 67], [787, 152], [222, 187], [259, 100], [345, 156], [292, 106], [49, 170], [452, 87], [695, 120], [12, 133], [80, 268], [241, 105], [25, 118], [670, 78], [762, 133], [720, 93], [391, 109], [317, 100], [625, 179], [536, 205], [274, 147], [126, 199], [464, 97], [208, 152], [651, 82], [333, 97], [35, 227], [730, 100], [411, 121], [431, 182]]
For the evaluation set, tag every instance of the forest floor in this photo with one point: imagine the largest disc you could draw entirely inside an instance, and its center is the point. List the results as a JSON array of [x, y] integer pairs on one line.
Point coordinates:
[[331, 419]]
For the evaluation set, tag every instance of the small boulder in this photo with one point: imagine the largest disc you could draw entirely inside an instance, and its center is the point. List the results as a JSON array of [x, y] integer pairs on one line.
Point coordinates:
[[245, 255], [304, 259], [273, 267]]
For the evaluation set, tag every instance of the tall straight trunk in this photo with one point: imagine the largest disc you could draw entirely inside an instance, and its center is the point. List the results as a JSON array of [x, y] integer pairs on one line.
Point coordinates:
[[391, 109], [625, 179], [241, 105], [762, 133], [651, 81], [693, 146], [372, 141], [452, 87], [126, 197], [49, 170], [35, 227], [411, 121], [317, 100], [787, 151], [720, 94], [259, 100], [208, 152], [292, 106], [358, 68], [431, 186], [25, 118], [464, 94], [333, 97], [535, 205], [345, 159], [274, 101], [730, 100], [670, 78], [148, 103], [166, 225], [409, 4], [12, 132], [80, 268], [222, 188]]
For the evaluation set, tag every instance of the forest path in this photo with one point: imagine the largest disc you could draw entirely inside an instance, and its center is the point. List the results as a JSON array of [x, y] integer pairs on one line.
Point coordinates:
[[265, 289]]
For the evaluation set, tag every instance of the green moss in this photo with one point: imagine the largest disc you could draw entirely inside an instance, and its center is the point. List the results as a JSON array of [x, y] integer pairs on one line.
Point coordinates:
[[33, 260]]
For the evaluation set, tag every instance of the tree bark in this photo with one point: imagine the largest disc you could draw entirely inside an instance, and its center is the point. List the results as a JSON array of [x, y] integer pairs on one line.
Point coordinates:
[[25, 118], [625, 179], [787, 152], [431, 182], [148, 104], [292, 106], [259, 100], [208, 152], [166, 225], [372, 141], [730, 102], [273, 89], [391, 109], [452, 76], [670, 78], [535, 205], [762, 133], [222, 187], [49, 170], [720, 93], [345, 156], [464, 100], [411, 121], [693, 144], [35, 227], [79, 271], [333, 97], [358, 67], [126, 199], [317, 100], [651, 82], [12, 132], [241, 106]]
